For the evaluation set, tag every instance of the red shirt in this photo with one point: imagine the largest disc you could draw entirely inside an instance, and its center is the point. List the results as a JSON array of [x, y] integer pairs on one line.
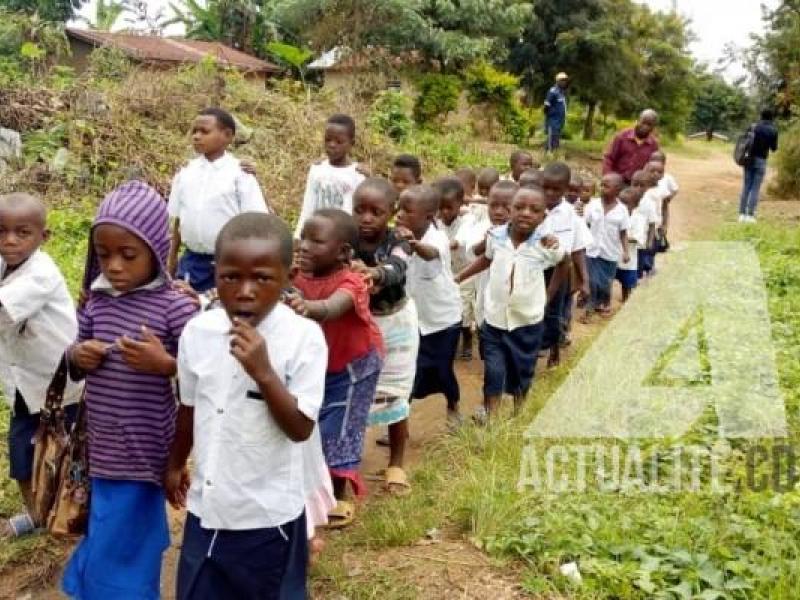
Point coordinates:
[[628, 154], [354, 334]]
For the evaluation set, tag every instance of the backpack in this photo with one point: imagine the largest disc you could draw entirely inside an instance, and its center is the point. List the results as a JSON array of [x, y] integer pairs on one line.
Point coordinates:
[[743, 152]]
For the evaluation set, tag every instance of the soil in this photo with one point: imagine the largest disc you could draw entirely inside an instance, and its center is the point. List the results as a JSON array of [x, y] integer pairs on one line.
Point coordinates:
[[454, 568]]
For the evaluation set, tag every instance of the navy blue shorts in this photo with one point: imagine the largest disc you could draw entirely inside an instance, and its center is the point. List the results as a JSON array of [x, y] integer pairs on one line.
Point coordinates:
[[509, 358], [646, 260], [21, 431], [628, 278], [435, 374], [250, 564], [198, 270]]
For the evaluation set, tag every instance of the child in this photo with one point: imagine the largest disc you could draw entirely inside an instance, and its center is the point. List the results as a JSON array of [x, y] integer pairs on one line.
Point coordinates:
[[205, 195], [660, 195], [515, 299], [520, 161], [609, 222], [331, 183], [429, 282], [37, 324], [251, 381], [588, 188], [669, 187], [406, 171], [627, 271], [127, 342], [469, 180], [574, 190], [454, 224], [337, 297], [573, 237], [385, 259], [531, 178], [487, 177], [642, 183]]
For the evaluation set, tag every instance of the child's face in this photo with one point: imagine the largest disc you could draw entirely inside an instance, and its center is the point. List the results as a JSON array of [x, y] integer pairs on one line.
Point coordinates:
[[499, 206], [338, 143], [522, 163], [610, 187], [468, 181], [125, 260], [449, 208], [587, 191], [554, 189], [209, 137], [321, 250], [640, 183], [630, 199], [402, 178], [527, 211], [656, 172], [249, 277], [413, 214], [22, 231], [372, 212], [574, 192]]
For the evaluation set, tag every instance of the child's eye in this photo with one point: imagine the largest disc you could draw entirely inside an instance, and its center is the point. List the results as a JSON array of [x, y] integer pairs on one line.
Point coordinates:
[[130, 255]]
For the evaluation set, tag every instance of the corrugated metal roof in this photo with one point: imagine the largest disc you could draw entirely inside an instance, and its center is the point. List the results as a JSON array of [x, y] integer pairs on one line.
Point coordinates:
[[178, 50]]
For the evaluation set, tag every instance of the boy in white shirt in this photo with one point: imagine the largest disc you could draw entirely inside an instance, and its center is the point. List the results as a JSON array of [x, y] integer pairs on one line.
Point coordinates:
[[205, 195], [454, 224], [252, 377], [643, 183], [429, 282], [37, 324], [668, 185], [332, 182], [515, 298], [627, 273], [609, 222]]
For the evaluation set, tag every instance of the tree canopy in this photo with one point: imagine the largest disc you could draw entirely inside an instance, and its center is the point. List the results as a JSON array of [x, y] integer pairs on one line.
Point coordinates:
[[719, 106], [48, 10]]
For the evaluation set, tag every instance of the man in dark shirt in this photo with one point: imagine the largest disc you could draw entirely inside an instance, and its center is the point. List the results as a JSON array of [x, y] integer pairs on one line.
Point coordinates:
[[765, 140], [631, 149], [555, 111]]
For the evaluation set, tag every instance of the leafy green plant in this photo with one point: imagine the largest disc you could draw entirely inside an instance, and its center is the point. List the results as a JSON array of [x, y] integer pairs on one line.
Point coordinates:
[[786, 184], [438, 96], [496, 91], [389, 115], [108, 63]]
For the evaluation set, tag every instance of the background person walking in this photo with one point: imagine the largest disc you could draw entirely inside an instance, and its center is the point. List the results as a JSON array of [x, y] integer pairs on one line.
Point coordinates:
[[765, 139], [555, 111]]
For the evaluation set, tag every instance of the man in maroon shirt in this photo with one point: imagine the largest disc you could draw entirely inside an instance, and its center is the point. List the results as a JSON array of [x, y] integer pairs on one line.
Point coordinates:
[[631, 149]]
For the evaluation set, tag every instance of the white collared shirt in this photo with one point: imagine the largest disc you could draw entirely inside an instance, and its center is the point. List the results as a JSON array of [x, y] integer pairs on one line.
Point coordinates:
[[328, 187], [563, 222], [652, 204], [606, 228], [455, 233], [247, 473], [637, 238], [207, 194], [516, 294], [668, 185], [37, 324], [431, 285]]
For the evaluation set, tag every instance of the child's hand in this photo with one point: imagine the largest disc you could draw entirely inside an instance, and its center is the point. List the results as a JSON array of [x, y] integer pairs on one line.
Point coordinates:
[[148, 355], [250, 349], [297, 303], [550, 242], [363, 169], [176, 486], [248, 165], [403, 233], [184, 288], [89, 355], [626, 257]]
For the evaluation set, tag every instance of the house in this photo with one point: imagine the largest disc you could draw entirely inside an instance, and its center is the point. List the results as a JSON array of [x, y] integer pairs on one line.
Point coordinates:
[[343, 69], [162, 52]]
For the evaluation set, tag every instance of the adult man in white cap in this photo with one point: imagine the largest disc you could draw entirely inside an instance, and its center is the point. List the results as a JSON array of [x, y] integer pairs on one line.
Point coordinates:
[[555, 111]]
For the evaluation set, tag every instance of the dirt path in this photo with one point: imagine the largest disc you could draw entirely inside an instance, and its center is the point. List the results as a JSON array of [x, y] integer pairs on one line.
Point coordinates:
[[709, 196]]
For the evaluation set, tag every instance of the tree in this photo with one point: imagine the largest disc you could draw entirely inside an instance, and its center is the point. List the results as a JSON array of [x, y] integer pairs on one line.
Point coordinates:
[[106, 14], [718, 106], [48, 10]]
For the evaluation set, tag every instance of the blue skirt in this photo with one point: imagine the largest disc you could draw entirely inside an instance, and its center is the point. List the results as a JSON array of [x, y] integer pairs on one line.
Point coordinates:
[[120, 556], [198, 270], [601, 278], [435, 374]]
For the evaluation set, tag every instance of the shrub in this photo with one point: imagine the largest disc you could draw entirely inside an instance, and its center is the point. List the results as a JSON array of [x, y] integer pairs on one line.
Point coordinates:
[[109, 63], [438, 95], [389, 115], [497, 90], [787, 164]]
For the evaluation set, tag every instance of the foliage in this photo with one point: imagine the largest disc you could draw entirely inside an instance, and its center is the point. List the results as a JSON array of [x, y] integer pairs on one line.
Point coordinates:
[[293, 57], [448, 33], [718, 106], [786, 183], [497, 91], [438, 95], [48, 10], [390, 115], [107, 13], [109, 63]]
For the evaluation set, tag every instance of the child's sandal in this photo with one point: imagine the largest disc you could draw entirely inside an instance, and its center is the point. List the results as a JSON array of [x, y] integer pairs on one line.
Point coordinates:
[[17, 526], [397, 481], [341, 515]]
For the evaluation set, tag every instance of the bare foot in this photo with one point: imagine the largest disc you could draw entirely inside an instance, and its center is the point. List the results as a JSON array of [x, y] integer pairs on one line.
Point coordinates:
[[315, 547]]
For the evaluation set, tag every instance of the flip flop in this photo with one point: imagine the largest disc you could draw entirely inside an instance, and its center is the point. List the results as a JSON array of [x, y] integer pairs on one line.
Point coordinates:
[[17, 526], [341, 515], [397, 481]]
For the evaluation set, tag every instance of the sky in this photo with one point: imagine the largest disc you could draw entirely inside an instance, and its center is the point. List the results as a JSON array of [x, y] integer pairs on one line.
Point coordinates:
[[714, 22]]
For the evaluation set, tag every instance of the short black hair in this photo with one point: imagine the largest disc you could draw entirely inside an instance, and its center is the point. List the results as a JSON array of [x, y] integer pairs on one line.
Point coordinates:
[[517, 154], [466, 172], [408, 161], [259, 226], [530, 190], [767, 114], [488, 176], [530, 178], [505, 185], [343, 225], [450, 187], [382, 186], [427, 195], [223, 117], [345, 121], [27, 201], [558, 170]]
